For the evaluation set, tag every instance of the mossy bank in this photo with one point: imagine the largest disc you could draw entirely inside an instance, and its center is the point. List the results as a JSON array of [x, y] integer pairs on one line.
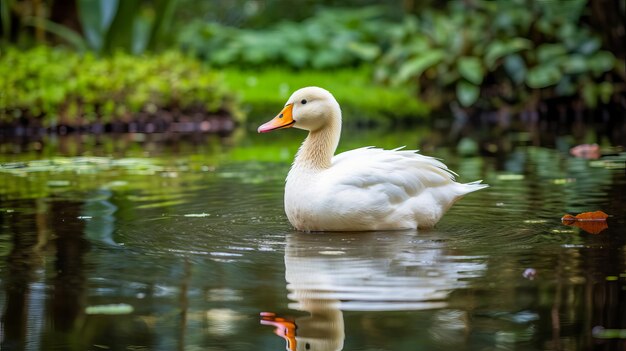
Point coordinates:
[[48, 88]]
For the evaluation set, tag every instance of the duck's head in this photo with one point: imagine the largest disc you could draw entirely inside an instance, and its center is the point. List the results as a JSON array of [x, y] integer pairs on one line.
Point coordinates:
[[309, 108]]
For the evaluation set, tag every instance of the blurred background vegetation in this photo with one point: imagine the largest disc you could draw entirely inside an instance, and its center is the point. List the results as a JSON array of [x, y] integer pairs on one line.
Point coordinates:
[[80, 63]]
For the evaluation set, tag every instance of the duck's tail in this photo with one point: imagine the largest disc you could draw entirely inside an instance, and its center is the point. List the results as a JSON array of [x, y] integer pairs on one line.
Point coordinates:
[[473, 186]]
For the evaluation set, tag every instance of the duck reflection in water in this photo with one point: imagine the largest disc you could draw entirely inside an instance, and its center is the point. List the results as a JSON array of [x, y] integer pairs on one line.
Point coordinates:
[[374, 271]]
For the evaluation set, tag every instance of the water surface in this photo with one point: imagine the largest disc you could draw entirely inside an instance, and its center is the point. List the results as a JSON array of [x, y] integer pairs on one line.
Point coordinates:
[[176, 242]]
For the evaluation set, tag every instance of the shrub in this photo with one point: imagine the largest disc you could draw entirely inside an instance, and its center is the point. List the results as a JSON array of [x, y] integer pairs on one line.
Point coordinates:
[[506, 50], [331, 39], [484, 53], [59, 85]]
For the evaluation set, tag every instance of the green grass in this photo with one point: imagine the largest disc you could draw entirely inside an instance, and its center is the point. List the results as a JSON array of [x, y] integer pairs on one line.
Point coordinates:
[[264, 92]]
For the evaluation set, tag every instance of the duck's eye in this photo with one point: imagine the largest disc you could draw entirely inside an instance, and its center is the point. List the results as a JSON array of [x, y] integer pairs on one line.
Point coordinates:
[[303, 101]]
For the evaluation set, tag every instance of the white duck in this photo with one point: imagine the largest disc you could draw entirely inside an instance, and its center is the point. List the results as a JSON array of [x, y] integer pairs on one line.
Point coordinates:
[[362, 189]]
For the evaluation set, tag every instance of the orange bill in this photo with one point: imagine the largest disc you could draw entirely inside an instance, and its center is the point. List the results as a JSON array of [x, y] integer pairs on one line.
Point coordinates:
[[283, 120], [285, 328]]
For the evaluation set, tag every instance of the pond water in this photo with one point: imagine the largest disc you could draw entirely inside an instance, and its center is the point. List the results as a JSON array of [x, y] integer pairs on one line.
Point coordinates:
[[178, 242]]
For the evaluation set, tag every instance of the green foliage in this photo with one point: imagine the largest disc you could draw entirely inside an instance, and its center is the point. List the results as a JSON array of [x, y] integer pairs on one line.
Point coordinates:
[[52, 83], [128, 25], [489, 53], [106, 26], [330, 39], [68, 35], [515, 46], [484, 53], [265, 92]]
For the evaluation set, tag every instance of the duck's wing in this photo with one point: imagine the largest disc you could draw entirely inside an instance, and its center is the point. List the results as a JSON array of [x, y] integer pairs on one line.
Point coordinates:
[[397, 172], [389, 189]]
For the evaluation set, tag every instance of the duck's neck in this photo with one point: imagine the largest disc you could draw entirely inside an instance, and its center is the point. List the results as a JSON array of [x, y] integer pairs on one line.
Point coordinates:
[[318, 148]]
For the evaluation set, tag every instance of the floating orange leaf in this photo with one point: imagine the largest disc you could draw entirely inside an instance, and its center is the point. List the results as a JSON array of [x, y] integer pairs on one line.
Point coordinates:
[[588, 151], [591, 222]]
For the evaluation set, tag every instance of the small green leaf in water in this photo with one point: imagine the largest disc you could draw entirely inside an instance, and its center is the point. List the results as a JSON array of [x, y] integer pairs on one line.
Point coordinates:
[[561, 181], [161, 204], [510, 176], [535, 221], [603, 333], [467, 147], [58, 183], [112, 309]]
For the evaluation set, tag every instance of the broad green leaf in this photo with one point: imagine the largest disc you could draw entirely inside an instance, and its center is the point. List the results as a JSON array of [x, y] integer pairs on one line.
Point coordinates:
[[516, 68], [547, 52], [566, 31], [140, 35], [601, 62], [297, 56], [543, 76], [324, 59], [544, 25], [120, 33], [499, 49], [589, 46], [441, 30], [95, 17], [467, 93], [365, 52], [565, 87], [418, 45], [164, 10], [575, 64], [605, 91], [589, 94], [417, 65], [471, 68], [61, 31]]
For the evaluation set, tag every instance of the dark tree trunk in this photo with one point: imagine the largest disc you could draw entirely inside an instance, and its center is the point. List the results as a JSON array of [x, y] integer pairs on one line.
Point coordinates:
[[608, 18], [65, 12]]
